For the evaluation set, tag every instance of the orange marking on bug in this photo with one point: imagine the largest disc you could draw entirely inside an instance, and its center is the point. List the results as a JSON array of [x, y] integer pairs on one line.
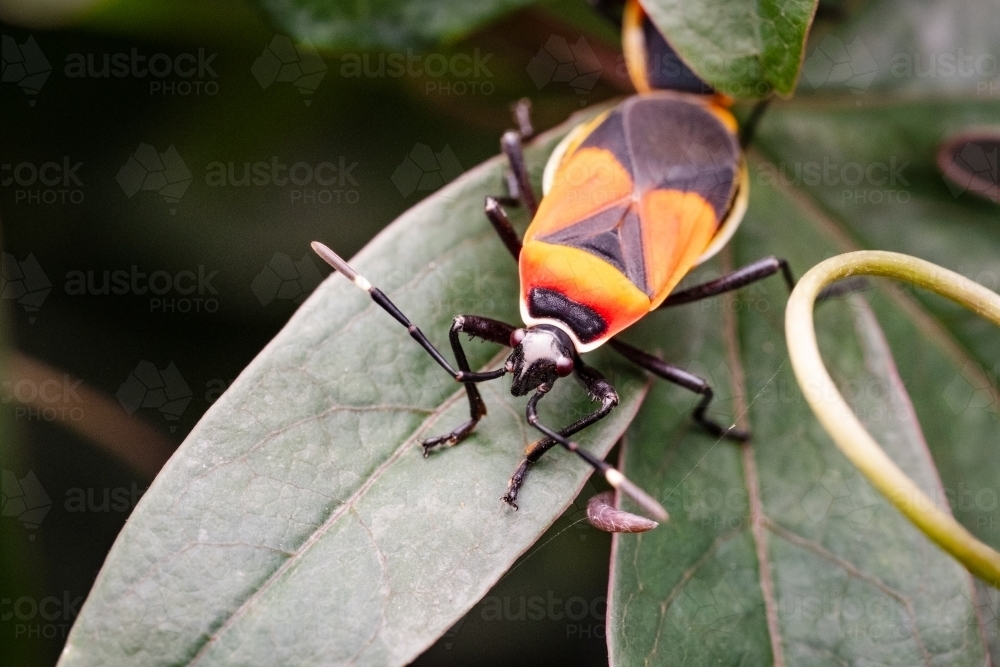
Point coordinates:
[[587, 182], [634, 45], [717, 105], [676, 229], [584, 278]]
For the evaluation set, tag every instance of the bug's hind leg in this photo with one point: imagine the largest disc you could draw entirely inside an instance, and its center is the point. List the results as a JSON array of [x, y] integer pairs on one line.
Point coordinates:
[[519, 189], [501, 223], [487, 329], [754, 272], [751, 273], [689, 381], [600, 389]]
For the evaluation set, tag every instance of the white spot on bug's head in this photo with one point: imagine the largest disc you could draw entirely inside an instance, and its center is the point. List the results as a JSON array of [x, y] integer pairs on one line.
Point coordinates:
[[540, 345], [533, 361]]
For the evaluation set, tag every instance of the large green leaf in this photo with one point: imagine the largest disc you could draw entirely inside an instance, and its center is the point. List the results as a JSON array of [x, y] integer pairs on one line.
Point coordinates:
[[780, 552], [386, 23], [299, 523], [744, 48]]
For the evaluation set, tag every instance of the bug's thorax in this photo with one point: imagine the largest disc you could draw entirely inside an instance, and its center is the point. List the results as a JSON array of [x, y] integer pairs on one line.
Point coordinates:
[[542, 354]]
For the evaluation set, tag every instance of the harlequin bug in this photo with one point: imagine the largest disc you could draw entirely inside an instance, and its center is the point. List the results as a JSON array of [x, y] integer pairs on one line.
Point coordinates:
[[632, 201]]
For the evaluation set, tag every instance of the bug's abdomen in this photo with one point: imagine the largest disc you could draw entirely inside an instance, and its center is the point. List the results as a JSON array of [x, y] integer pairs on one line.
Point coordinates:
[[631, 209], [601, 277]]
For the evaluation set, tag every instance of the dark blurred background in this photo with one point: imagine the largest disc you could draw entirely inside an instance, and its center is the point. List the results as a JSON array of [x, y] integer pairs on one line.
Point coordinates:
[[143, 268]]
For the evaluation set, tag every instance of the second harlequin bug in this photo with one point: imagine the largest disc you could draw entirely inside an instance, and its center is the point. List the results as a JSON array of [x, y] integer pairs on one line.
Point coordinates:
[[632, 201]]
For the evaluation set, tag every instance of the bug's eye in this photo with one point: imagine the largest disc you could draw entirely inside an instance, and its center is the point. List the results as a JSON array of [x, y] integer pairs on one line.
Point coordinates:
[[564, 366], [516, 336]]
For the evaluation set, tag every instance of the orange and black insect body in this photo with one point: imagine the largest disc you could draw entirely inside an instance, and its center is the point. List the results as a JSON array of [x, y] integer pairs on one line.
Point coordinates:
[[652, 62], [632, 201]]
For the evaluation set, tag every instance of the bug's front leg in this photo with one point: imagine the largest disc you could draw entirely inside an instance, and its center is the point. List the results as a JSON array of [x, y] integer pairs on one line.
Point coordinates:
[[600, 390], [613, 476], [479, 327]]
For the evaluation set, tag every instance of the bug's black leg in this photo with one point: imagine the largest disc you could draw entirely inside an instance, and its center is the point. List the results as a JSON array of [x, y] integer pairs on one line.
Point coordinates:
[[501, 223], [519, 188], [517, 182], [522, 116], [510, 144], [681, 377], [600, 390], [750, 273], [487, 329], [615, 478], [750, 126]]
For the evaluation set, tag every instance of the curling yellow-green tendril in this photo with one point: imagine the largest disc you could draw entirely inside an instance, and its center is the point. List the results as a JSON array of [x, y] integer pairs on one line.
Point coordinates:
[[840, 421]]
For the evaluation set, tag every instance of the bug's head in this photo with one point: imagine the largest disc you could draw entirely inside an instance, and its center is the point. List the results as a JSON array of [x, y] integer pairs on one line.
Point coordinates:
[[542, 354]]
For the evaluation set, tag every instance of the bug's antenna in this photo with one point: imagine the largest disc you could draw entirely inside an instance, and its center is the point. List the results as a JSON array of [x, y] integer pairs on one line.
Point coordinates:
[[334, 260], [643, 499], [463, 375]]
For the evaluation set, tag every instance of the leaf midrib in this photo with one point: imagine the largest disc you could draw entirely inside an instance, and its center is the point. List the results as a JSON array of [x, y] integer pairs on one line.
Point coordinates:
[[750, 477]]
